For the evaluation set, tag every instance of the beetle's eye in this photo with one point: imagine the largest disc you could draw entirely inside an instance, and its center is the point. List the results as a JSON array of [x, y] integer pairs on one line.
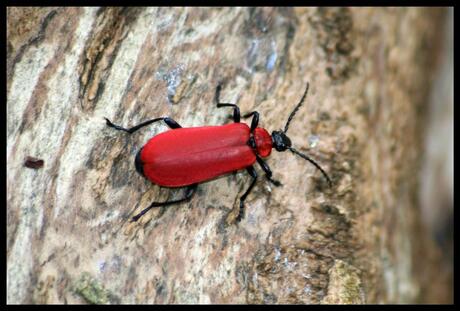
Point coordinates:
[[286, 141]]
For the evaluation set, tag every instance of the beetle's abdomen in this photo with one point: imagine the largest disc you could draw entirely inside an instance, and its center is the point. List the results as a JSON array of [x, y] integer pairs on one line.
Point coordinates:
[[185, 156]]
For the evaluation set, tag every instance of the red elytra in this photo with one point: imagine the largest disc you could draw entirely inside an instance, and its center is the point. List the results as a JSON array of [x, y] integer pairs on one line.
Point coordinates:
[[185, 156]]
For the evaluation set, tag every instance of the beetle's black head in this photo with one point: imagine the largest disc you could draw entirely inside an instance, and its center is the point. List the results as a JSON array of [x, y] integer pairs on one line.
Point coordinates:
[[280, 141], [138, 163]]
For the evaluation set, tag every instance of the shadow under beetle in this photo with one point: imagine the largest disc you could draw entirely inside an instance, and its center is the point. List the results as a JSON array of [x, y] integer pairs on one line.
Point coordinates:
[[184, 157]]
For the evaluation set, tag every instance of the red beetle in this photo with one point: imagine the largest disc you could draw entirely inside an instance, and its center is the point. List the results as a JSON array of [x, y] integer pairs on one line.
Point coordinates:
[[184, 157]]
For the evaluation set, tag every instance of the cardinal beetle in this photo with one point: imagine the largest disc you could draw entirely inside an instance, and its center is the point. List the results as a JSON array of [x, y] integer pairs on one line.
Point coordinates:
[[184, 157]]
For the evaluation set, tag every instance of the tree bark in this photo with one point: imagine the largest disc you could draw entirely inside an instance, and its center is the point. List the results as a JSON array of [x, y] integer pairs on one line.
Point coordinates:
[[69, 239]]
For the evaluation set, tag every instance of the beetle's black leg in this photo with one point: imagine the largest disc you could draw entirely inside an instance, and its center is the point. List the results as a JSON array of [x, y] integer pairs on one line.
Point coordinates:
[[169, 122], [188, 195], [254, 121], [268, 171], [253, 174], [236, 109]]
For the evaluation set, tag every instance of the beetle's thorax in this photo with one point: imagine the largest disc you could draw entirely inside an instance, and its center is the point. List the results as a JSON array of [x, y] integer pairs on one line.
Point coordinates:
[[261, 142]]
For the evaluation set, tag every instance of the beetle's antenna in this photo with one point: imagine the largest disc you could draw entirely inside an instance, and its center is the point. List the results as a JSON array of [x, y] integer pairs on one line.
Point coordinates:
[[296, 108], [312, 162]]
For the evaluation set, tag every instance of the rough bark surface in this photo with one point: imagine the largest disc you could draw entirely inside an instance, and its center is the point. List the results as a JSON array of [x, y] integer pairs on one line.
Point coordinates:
[[69, 239]]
